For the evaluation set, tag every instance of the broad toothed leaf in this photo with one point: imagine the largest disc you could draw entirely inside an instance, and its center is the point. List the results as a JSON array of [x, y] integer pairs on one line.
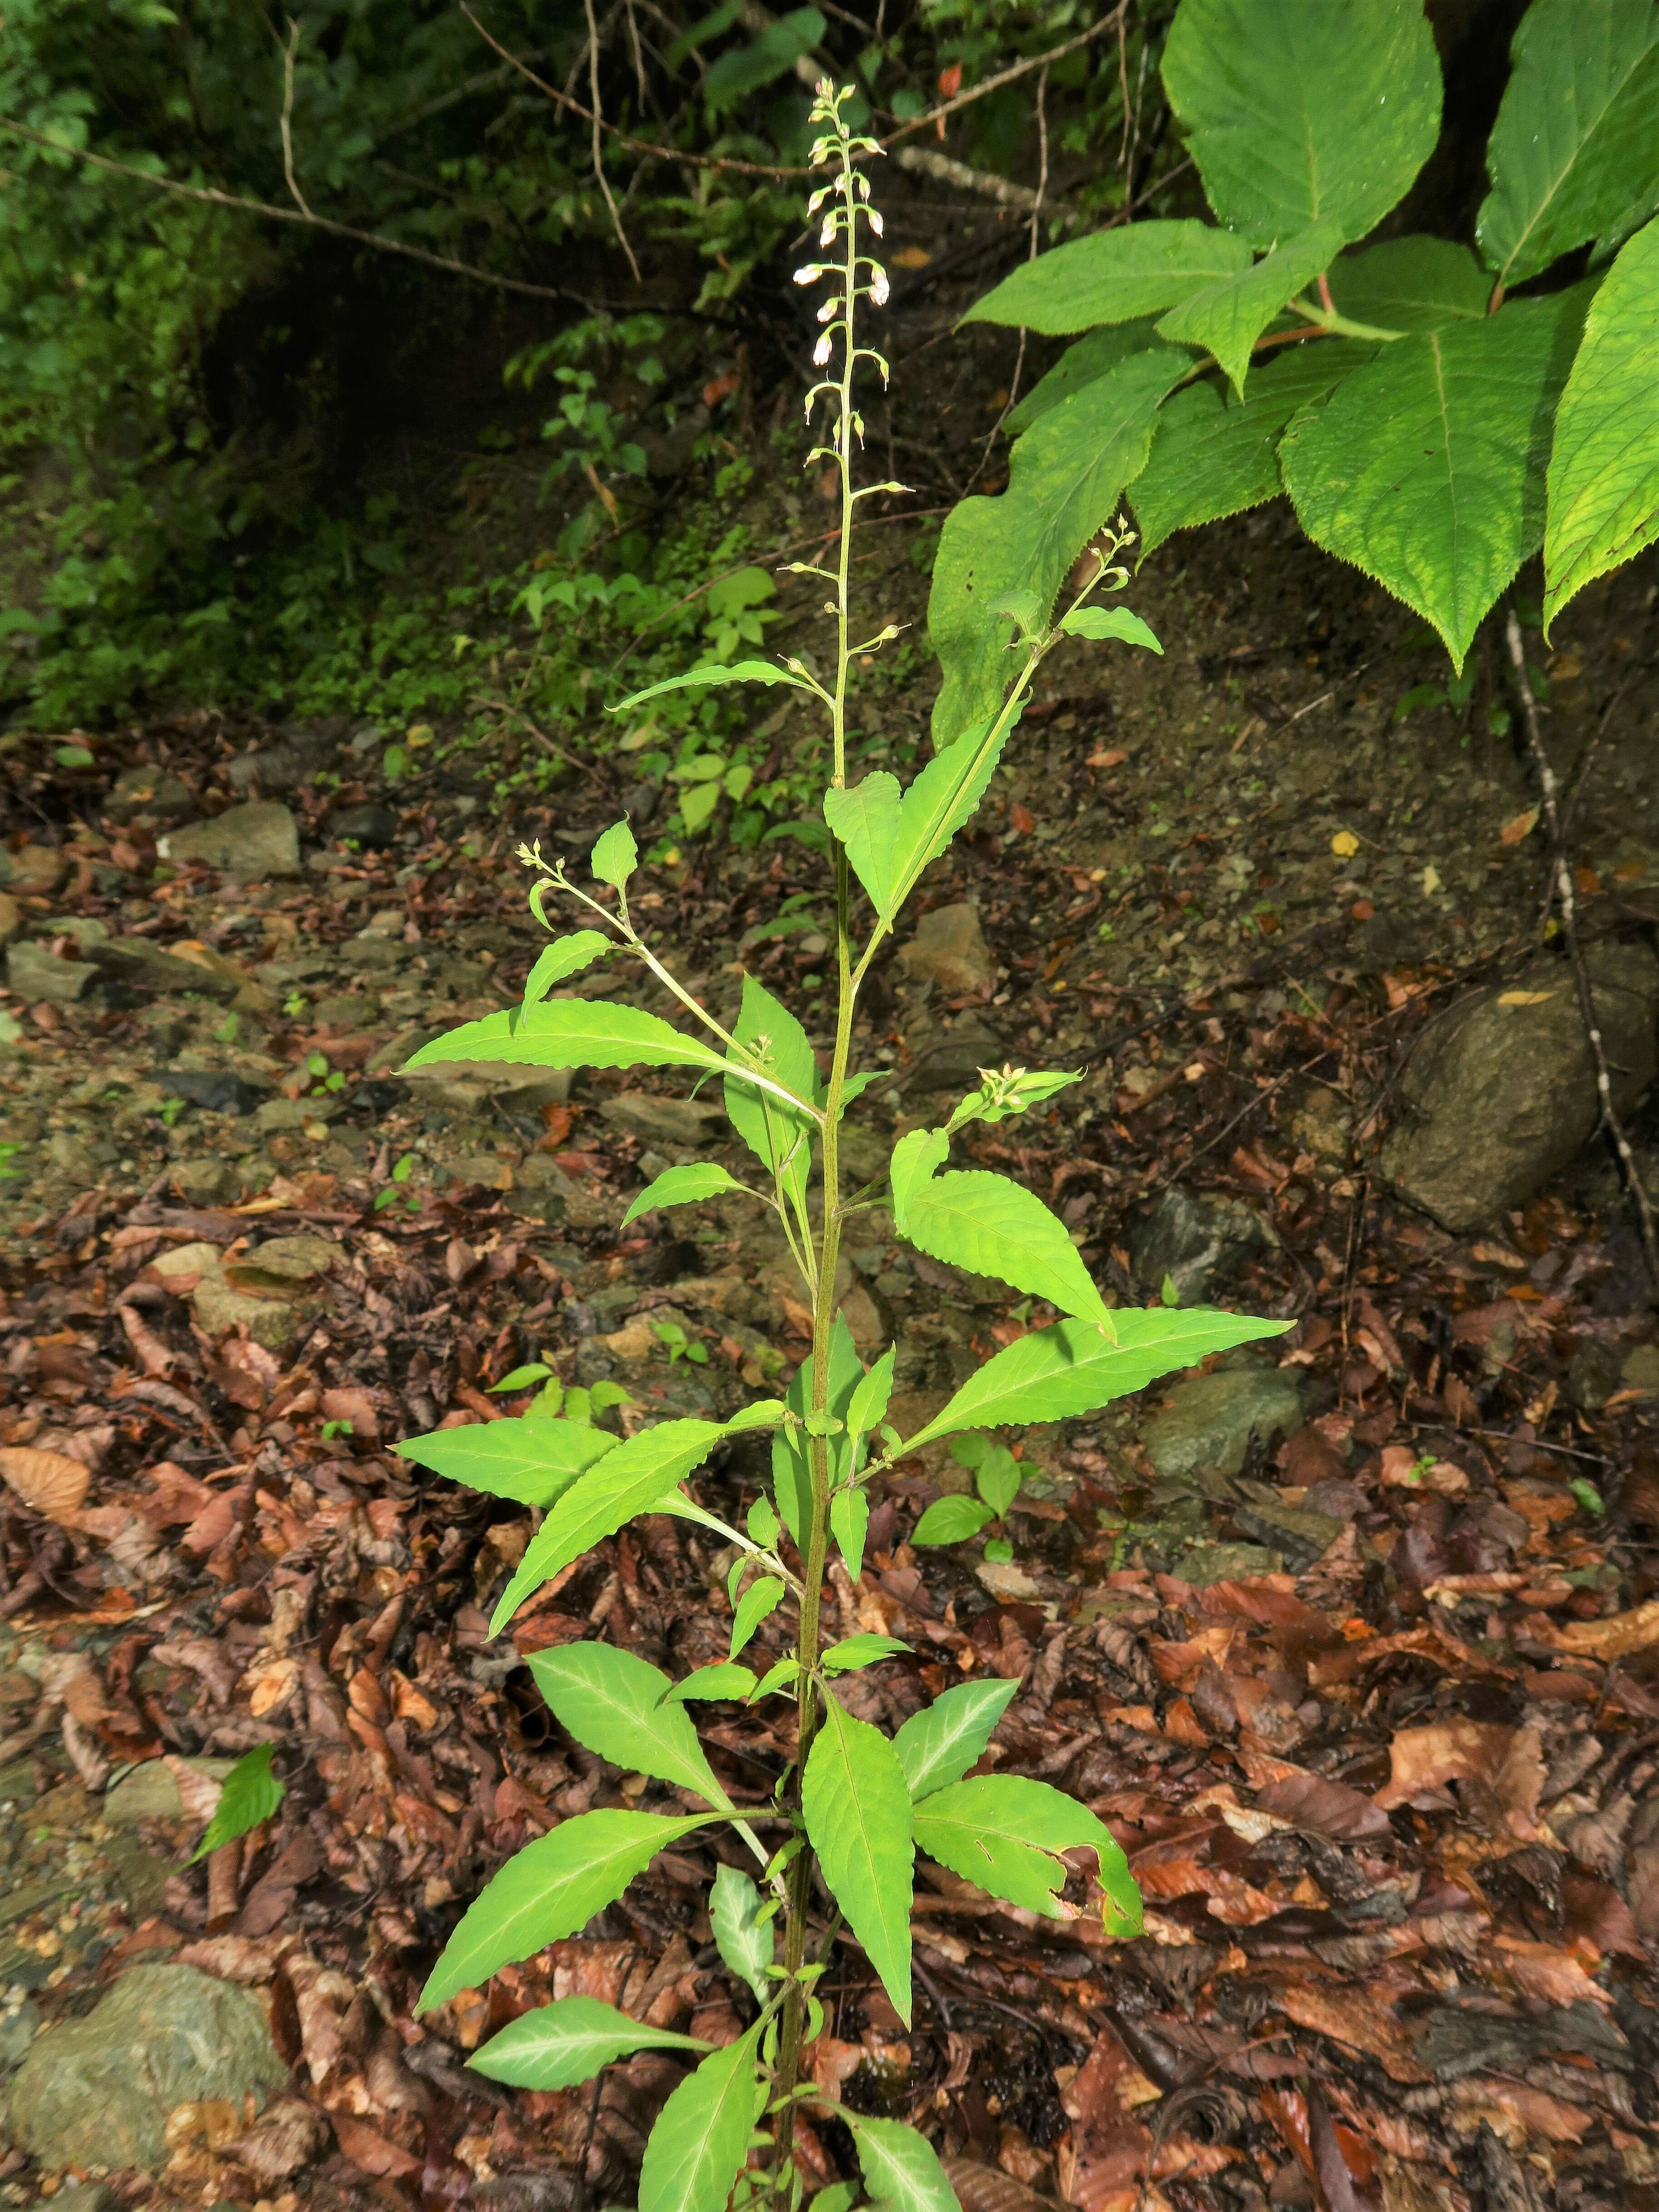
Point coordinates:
[[685, 1186], [937, 1746], [533, 1461], [1227, 318], [763, 1595], [779, 1135], [900, 2166], [1113, 276], [1002, 1833], [952, 1521], [615, 856], [568, 1033], [992, 1225], [866, 821]]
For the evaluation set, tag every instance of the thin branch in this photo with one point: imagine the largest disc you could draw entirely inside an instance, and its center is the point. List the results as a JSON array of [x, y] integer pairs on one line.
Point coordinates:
[[599, 148], [288, 53], [1567, 899], [1008, 76]]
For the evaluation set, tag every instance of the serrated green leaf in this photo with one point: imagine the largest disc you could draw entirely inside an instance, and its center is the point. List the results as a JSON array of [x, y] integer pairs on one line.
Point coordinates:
[[863, 1649], [1215, 454], [631, 1478], [1604, 466], [720, 1681], [916, 1157], [249, 1794], [867, 1408], [900, 2166], [866, 821], [952, 1520], [615, 856], [550, 1890], [742, 1921], [850, 1523], [1114, 275], [1227, 318], [1092, 356], [992, 1225], [776, 1678], [568, 1033], [762, 1522], [740, 671], [564, 957], [1577, 138], [856, 1811], [1297, 115], [1426, 468], [1071, 1369], [558, 2045], [1067, 474], [779, 1135], [698, 2147], [1104, 622], [1409, 284], [613, 1703], [533, 1460], [1001, 1831], [937, 1746], [763, 1595], [685, 1186]]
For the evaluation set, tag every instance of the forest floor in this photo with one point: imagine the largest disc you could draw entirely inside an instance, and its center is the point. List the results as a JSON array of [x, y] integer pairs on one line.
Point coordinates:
[[1356, 1648]]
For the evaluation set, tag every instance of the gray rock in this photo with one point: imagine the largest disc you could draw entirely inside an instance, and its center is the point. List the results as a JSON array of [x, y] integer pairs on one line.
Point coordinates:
[[1210, 1421], [97, 2091], [276, 767], [290, 1259], [376, 827], [1302, 1534], [949, 949], [259, 839], [33, 974], [153, 794], [1500, 1092], [203, 1183], [1196, 1243], [137, 965], [214, 1089], [663, 1121], [72, 1156], [1225, 1563], [952, 1060], [18, 2030], [149, 1791]]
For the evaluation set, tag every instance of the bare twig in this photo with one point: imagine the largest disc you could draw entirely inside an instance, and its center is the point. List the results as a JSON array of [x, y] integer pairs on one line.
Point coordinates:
[[599, 143], [1566, 898], [923, 161], [288, 53]]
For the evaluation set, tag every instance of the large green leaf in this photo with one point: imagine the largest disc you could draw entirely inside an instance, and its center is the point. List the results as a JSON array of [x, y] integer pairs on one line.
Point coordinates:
[[937, 1746], [630, 1480], [1576, 139], [1073, 1368], [742, 1921], [1215, 454], [857, 1810], [740, 672], [1604, 468], [1067, 474], [613, 1703], [992, 1225], [549, 1890], [866, 821], [1410, 284], [1227, 318], [698, 2147], [564, 957], [1113, 276], [568, 1033], [1002, 1832], [686, 1186], [1306, 112], [532, 1461], [900, 2166], [779, 1135], [1090, 357], [558, 2045], [1426, 468]]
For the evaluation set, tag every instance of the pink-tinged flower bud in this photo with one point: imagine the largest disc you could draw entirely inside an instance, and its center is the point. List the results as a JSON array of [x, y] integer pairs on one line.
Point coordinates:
[[821, 351], [809, 274], [876, 223], [826, 236], [829, 310], [879, 287]]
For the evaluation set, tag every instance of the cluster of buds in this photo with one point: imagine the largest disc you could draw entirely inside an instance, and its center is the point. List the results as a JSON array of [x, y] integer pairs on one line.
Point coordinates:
[[841, 203]]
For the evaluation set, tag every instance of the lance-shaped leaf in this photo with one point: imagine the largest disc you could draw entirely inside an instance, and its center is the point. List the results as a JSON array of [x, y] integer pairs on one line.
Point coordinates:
[[1409, 284], [550, 1890], [1113, 276], [849, 1524], [740, 672], [779, 1135], [857, 1810], [1426, 467], [630, 1480], [763, 1595], [863, 1649], [564, 957], [1216, 454], [900, 2166], [937, 1746], [742, 1921], [1071, 1369], [1002, 1833], [1227, 318], [614, 1704], [558, 2045], [1577, 140], [1604, 468], [568, 1033], [532, 1460], [698, 2147], [1092, 356], [866, 821], [1068, 473], [992, 1225], [1319, 111], [953, 1520], [722, 1680], [1100, 622], [685, 1186]]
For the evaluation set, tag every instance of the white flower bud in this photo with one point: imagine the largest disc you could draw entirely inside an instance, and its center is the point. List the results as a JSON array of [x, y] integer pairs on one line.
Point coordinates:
[[879, 287], [821, 351], [827, 235], [817, 199], [875, 221], [829, 310], [809, 274]]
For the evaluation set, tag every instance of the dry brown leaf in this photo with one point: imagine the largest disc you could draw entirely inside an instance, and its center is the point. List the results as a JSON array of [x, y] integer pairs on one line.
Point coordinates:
[[1509, 1760], [982, 2188], [49, 1482], [289, 2135], [371, 2153], [1614, 1637], [1324, 1807], [1354, 2018]]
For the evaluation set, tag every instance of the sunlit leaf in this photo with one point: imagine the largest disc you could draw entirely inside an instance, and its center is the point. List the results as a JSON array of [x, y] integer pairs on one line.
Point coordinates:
[[558, 2045]]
